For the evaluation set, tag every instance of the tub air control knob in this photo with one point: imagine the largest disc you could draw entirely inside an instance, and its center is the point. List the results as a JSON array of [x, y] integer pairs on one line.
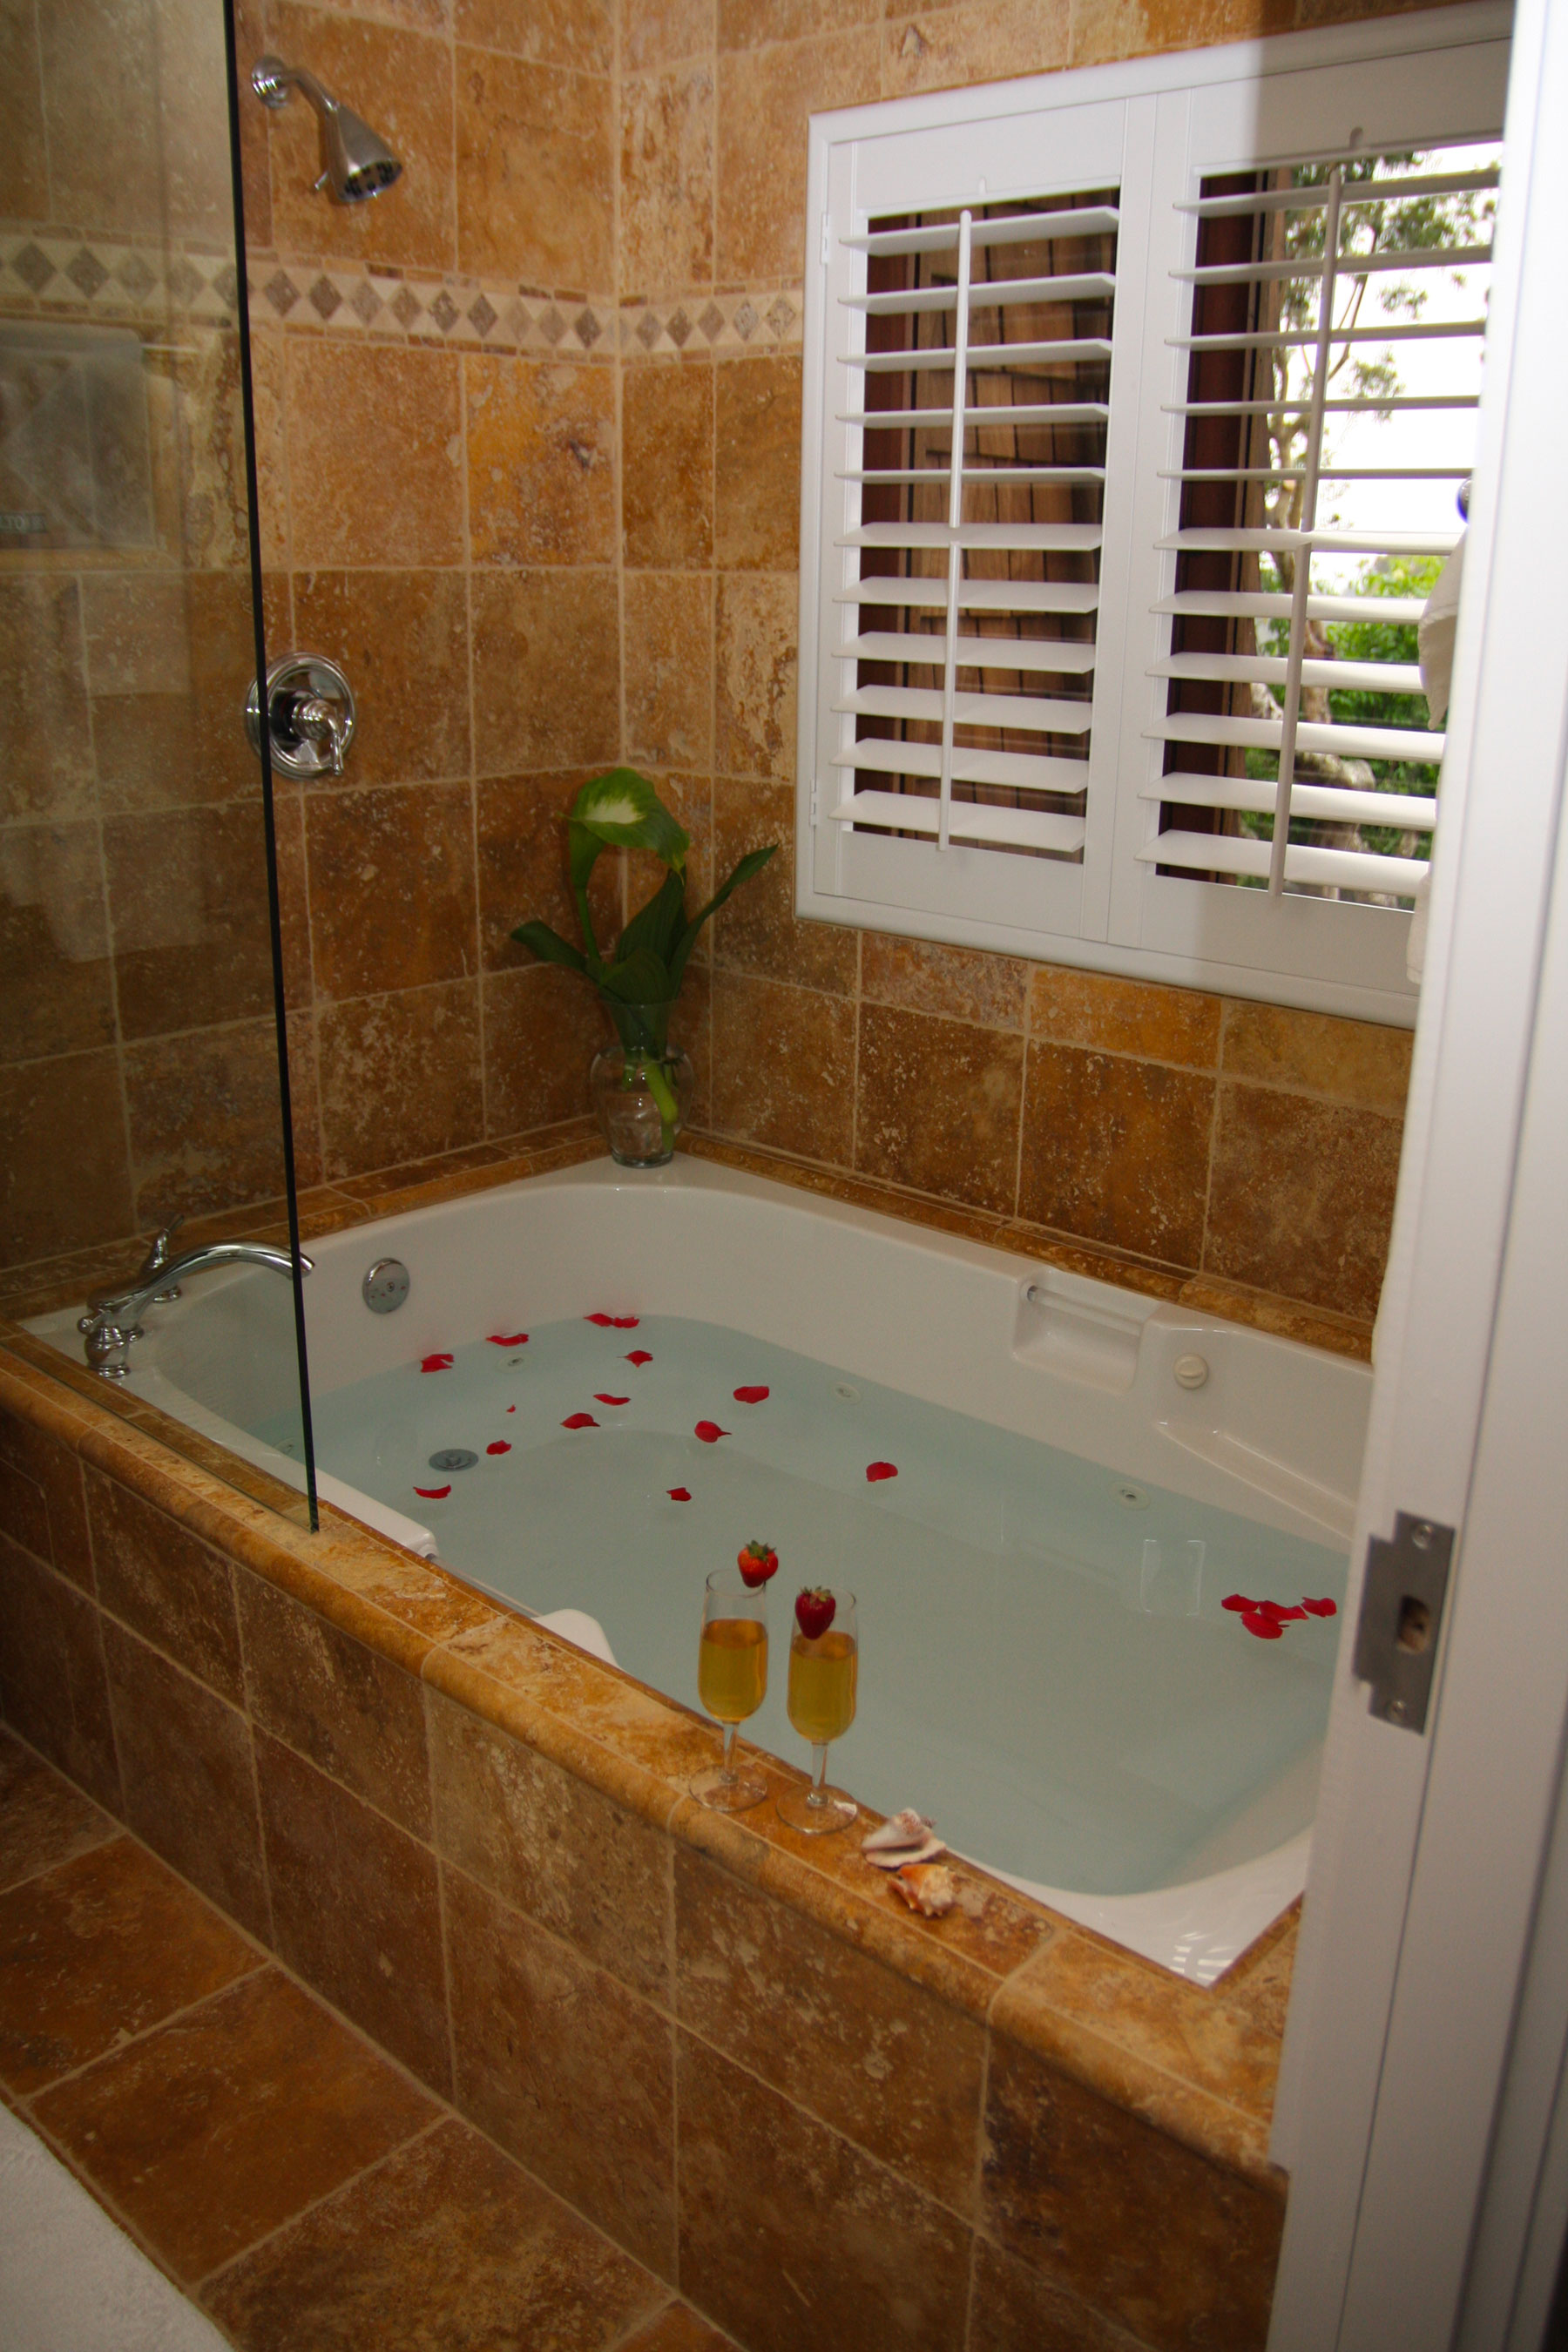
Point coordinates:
[[1191, 1372]]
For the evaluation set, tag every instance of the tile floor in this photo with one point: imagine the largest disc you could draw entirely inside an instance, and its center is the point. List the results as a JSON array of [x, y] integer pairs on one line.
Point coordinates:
[[295, 2182]]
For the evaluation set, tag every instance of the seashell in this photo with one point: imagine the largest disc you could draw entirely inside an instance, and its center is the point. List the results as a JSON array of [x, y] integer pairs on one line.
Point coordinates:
[[900, 1857], [905, 1828], [927, 1888]]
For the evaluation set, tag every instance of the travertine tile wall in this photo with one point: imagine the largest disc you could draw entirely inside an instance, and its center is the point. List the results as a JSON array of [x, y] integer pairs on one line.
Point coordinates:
[[530, 442]]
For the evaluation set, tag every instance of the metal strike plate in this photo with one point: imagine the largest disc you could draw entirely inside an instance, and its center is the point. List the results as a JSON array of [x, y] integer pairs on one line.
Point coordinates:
[[1400, 1617]]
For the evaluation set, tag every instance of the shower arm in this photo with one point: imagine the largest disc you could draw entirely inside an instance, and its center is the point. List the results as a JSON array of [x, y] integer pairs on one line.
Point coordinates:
[[272, 82]]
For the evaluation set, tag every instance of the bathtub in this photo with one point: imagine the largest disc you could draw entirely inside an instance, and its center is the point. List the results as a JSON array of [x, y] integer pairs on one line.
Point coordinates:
[[1166, 1419]]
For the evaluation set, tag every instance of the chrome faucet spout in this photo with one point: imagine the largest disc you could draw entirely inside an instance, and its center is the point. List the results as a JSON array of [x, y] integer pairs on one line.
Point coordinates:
[[113, 1319]]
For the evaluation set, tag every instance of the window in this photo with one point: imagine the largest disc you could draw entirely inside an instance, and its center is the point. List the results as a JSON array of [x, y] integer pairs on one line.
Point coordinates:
[[1137, 403]]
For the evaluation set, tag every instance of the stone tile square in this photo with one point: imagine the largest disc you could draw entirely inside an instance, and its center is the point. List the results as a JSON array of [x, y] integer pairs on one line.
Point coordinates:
[[356, 1908], [168, 1586], [871, 2055], [53, 1686], [99, 1949], [221, 2124], [448, 2226], [356, 1715], [570, 2070], [44, 1821], [794, 2238]]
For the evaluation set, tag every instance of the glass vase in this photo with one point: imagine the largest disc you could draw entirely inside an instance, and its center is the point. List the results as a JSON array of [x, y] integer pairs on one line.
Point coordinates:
[[641, 1086]]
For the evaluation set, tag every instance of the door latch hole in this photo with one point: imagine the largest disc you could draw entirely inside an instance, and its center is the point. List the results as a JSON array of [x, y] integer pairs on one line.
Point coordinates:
[[1415, 1626]]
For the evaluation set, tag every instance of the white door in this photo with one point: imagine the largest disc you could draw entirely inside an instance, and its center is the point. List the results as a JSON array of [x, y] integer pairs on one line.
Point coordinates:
[[1419, 2160]]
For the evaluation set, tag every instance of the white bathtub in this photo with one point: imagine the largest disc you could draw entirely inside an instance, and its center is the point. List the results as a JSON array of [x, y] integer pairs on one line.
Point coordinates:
[[1274, 1433]]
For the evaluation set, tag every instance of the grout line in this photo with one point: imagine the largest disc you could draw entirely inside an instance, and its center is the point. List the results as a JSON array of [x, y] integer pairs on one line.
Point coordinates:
[[31, 1877], [174, 2017], [199, 2286]]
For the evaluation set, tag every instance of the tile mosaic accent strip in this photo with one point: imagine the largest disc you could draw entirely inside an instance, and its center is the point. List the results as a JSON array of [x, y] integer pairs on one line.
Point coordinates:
[[46, 275]]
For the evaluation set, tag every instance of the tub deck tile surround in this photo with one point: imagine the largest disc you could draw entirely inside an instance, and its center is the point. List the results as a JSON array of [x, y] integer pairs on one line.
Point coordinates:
[[478, 1842]]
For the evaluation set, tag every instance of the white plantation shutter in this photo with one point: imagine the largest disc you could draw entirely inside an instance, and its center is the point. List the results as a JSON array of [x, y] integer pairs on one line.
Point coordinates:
[[1048, 675], [1334, 283]]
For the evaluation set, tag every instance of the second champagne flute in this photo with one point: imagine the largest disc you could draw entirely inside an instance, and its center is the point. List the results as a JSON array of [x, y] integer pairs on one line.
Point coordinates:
[[824, 1671], [732, 1681]]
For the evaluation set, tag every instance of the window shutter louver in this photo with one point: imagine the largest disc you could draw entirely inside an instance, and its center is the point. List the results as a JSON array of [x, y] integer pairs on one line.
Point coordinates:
[[983, 349], [1254, 746]]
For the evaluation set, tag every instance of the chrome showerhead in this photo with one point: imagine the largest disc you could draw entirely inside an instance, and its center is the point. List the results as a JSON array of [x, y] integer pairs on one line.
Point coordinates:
[[355, 163]]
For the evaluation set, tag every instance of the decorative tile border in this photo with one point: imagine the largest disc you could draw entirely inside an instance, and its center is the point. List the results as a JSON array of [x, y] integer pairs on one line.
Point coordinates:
[[46, 275], [717, 322]]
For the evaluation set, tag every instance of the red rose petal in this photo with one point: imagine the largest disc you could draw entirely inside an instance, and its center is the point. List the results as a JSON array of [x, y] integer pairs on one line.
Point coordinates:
[[433, 1493], [579, 1420], [711, 1432], [1238, 1601], [1321, 1608], [750, 1396], [678, 1493], [639, 1356], [876, 1471], [502, 1339], [605, 1322], [600, 1398], [511, 1408], [626, 1322], [1268, 1629], [1282, 1615], [436, 1363], [501, 1446]]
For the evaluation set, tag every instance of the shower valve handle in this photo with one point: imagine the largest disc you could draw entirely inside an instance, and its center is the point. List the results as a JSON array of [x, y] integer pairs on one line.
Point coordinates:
[[310, 716]]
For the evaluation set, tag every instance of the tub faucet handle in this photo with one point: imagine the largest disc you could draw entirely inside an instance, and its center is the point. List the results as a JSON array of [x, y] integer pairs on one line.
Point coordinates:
[[324, 723]]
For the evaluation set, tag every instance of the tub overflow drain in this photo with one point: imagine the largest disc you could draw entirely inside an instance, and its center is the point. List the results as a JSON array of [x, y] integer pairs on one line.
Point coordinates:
[[386, 1285], [453, 1457]]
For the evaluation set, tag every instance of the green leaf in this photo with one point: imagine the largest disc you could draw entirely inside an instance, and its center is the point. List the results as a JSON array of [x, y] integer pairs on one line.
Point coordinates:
[[550, 946], [752, 863], [621, 809], [658, 924], [641, 977]]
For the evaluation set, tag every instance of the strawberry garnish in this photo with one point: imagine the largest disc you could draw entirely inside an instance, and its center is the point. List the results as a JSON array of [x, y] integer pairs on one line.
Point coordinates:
[[815, 1608], [757, 1561]]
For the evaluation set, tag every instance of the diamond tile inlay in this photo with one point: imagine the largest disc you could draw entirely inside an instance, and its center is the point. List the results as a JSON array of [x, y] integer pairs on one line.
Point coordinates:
[[282, 293], [325, 298], [746, 323], [365, 302], [34, 267], [588, 329], [225, 286], [444, 310], [648, 330], [406, 307], [87, 273], [781, 318], [481, 317], [136, 276], [184, 283], [678, 328], [553, 326], [712, 322]]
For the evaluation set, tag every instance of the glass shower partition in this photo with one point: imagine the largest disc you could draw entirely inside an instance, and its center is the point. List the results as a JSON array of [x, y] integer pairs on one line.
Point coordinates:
[[144, 1074]]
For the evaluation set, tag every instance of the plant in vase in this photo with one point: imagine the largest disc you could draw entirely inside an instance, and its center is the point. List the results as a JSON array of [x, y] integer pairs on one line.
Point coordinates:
[[641, 1085]]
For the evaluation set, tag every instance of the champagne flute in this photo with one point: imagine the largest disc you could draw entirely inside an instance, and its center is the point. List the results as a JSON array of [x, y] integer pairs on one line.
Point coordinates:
[[823, 1669], [732, 1681]]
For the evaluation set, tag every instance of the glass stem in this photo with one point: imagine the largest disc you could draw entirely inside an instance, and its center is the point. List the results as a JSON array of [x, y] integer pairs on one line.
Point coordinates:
[[818, 1772], [727, 1768]]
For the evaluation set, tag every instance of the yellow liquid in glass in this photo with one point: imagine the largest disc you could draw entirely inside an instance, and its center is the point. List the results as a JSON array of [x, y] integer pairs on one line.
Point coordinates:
[[732, 1667], [822, 1677]]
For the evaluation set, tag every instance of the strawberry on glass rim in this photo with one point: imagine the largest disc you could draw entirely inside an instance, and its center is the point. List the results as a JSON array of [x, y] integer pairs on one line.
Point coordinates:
[[756, 1561], [815, 1608]]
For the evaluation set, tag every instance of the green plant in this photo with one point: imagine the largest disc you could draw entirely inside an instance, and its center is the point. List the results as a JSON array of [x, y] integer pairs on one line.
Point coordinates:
[[640, 979]]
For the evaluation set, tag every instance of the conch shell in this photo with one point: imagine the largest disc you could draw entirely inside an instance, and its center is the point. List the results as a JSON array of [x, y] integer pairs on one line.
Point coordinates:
[[927, 1888], [907, 1837]]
